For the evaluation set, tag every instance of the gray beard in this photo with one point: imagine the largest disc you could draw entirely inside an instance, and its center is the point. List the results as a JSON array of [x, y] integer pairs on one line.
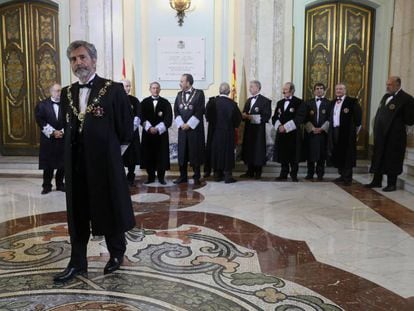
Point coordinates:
[[82, 73]]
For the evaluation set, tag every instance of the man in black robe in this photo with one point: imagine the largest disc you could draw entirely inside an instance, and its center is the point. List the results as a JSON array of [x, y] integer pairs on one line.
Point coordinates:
[[395, 112], [256, 113], [132, 155], [344, 126], [189, 110], [210, 118], [156, 120], [50, 119], [99, 126], [287, 120], [227, 118], [318, 111]]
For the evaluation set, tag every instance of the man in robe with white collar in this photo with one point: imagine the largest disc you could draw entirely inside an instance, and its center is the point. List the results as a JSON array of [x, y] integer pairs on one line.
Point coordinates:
[[344, 126], [287, 120], [50, 119], [256, 113], [156, 120], [99, 126], [318, 111], [395, 112], [189, 108]]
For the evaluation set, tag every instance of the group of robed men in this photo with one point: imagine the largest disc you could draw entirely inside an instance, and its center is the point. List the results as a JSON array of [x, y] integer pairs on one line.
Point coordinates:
[[96, 122]]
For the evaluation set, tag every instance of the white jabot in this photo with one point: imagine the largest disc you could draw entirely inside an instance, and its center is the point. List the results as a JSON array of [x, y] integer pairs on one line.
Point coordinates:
[[154, 101], [187, 94], [84, 95], [287, 102]]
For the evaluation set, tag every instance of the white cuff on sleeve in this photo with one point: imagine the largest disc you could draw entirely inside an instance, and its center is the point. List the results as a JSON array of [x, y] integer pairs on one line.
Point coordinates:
[[137, 122], [179, 121], [147, 126], [123, 149], [161, 128], [309, 127], [48, 130], [290, 126], [277, 124], [193, 122], [325, 126]]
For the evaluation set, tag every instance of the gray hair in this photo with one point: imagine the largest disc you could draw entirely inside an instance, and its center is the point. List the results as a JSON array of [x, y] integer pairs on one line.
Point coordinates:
[[80, 43], [258, 84], [396, 79], [224, 88], [291, 87], [154, 82]]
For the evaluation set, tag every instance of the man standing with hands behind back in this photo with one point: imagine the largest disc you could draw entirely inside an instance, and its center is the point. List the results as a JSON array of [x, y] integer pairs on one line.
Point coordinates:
[[98, 122]]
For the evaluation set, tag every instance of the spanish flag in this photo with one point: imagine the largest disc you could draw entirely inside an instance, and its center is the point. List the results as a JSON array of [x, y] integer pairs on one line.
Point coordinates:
[[234, 81], [123, 69]]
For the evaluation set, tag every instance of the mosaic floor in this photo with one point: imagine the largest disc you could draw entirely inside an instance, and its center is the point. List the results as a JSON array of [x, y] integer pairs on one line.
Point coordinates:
[[253, 245]]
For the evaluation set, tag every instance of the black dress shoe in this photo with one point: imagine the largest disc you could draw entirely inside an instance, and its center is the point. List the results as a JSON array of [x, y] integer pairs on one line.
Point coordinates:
[[197, 182], [162, 182], [218, 178], [295, 179], [68, 274], [320, 178], [230, 181], [113, 264], [373, 185], [389, 188], [46, 190], [180, 180], [309, 177], [280, 178], [339, 179], [149, 181]]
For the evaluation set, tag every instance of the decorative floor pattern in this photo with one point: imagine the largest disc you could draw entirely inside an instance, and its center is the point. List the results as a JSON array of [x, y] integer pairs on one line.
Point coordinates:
[[181, 259]]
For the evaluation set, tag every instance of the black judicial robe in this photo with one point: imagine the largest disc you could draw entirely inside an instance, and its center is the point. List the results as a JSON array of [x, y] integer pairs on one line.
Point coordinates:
[[390, 136], [156, 148], [227, 118], [51, 152], [316, 144], [210, 118], [288, 146], [93, 158], [192, 140], [343, 154], [132, 156], [254, 136]]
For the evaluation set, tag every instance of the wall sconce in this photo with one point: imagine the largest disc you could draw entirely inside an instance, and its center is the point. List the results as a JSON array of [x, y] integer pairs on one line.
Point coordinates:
[[181, 6]]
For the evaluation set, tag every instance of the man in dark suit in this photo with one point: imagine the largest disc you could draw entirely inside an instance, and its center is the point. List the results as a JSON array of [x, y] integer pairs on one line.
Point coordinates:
[[395, 112], [318, 111], [287, 120], [156, 120], [99, 126], [344, 126], [189, 110], [132, 155], [210, 118], [50, 119], [256, 113], [227, 117]]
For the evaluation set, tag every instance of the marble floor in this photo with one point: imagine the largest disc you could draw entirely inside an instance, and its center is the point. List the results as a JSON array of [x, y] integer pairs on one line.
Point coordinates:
[[252, 245]]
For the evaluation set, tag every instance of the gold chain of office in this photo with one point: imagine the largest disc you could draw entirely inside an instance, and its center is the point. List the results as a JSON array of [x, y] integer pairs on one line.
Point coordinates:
[[89, 108]]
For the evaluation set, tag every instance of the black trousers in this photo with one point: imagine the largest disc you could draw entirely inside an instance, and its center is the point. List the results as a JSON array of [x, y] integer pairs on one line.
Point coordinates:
[[254, 170], [391, 179], [320, 168], [48, 176], [131, 173], [116, 243], [151, 174], [184, 167], [294, 167], [345, 173]]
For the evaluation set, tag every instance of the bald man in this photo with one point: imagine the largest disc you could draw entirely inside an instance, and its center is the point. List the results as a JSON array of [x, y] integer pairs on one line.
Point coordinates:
[[50, 119], [396, 110]]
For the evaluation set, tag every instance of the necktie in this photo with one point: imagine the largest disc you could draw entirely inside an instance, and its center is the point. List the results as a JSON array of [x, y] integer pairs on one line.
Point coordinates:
[[318, 98]]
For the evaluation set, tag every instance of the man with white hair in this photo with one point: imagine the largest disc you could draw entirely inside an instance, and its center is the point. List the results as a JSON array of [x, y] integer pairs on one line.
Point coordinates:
[[344, 123], [226, 116]]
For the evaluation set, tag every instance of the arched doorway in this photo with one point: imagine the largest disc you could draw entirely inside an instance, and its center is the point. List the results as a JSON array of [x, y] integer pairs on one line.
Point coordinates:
[[29, 55], [338, 48]]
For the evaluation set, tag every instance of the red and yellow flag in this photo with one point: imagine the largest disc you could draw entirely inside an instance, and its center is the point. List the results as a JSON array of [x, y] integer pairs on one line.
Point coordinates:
[[234, 81], [123, 69]]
